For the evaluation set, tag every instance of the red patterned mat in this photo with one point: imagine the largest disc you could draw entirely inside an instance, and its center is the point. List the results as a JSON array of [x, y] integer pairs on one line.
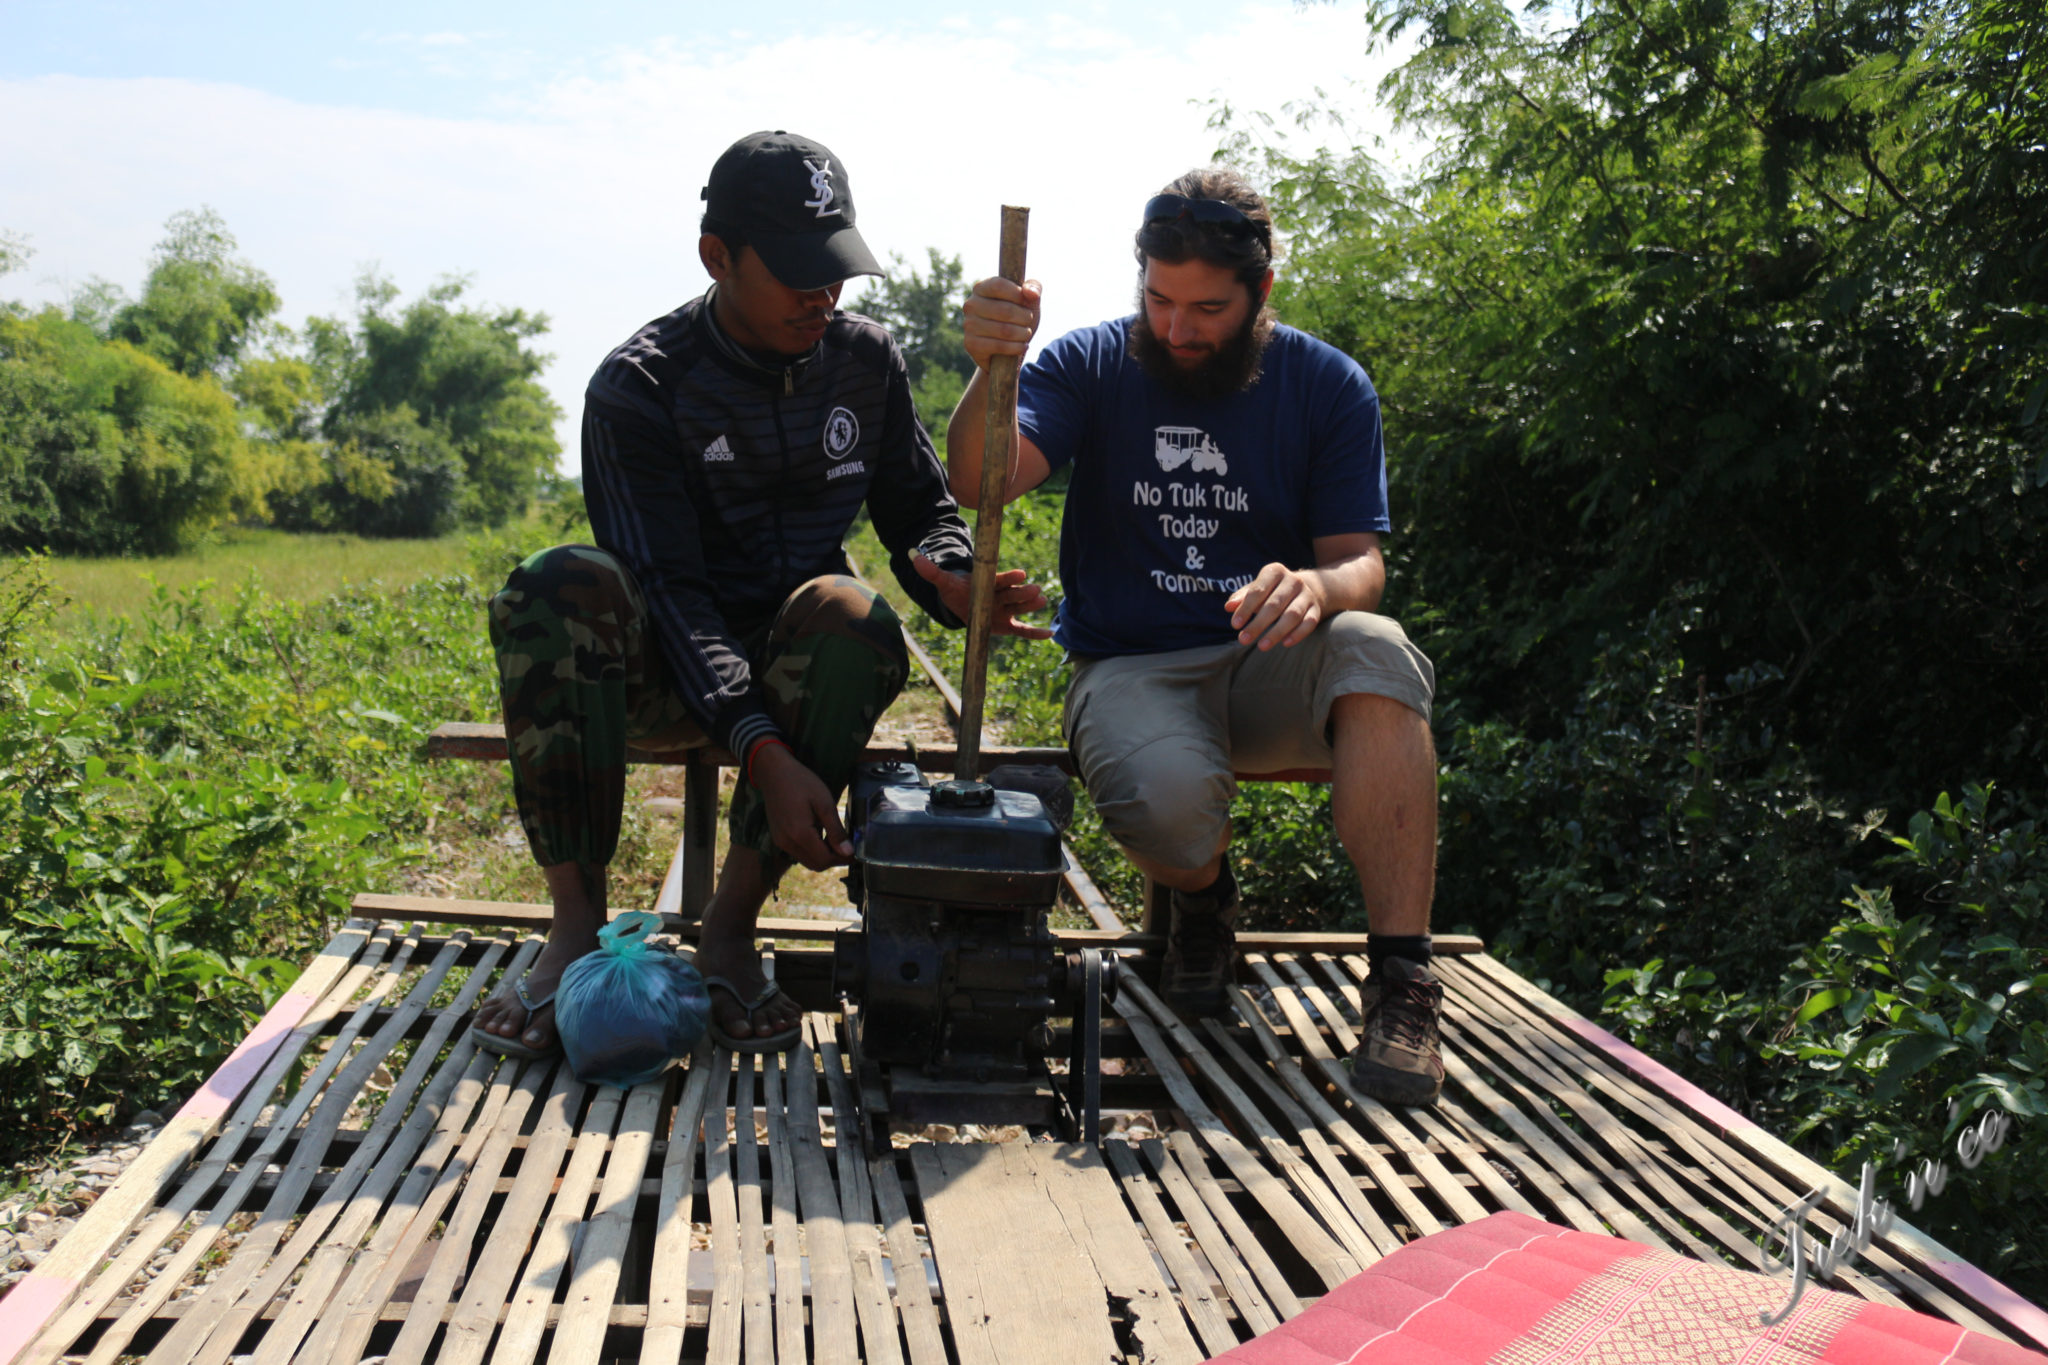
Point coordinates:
[[1513, 1290]]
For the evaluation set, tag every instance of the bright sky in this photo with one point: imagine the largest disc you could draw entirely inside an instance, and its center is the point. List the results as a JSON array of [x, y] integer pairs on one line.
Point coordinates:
[[555, 153]]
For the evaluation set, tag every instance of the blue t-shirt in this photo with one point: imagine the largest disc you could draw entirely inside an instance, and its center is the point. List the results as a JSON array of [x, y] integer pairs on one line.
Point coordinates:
[[1178, 502]]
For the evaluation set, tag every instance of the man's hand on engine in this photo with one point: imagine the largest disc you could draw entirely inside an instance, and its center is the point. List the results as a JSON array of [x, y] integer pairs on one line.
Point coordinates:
[[802, 816]]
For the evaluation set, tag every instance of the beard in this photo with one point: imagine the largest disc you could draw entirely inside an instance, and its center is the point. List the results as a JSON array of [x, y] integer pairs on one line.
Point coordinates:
[[1231, 368]]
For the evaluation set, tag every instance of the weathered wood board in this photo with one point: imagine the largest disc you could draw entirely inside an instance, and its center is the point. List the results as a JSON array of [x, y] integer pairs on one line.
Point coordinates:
[[359, 1181]]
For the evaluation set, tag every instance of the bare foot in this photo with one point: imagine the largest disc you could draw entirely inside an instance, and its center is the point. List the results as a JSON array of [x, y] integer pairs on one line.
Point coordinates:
[[738, 961], [504, 1016]]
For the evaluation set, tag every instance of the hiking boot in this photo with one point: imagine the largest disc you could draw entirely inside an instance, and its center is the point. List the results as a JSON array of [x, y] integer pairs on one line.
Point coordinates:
[[1398, 1059], [1201, 947]]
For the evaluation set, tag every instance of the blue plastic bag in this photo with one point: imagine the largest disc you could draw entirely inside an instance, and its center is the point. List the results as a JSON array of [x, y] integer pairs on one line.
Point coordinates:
[[628, 1010]]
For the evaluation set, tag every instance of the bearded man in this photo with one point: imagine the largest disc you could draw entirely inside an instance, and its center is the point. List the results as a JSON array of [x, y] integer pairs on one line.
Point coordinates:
[[1221, 555]]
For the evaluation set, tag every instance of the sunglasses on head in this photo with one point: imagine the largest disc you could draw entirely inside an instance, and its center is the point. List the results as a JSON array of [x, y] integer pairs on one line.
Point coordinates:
[[1168, 208]]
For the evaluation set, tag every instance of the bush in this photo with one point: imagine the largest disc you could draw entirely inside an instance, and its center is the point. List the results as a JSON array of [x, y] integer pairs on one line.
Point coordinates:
[[188, 802], [105, 449], [1899, 1026]]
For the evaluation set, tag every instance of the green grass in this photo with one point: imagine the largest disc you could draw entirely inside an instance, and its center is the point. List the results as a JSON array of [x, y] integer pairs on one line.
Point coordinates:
[[294, 567]]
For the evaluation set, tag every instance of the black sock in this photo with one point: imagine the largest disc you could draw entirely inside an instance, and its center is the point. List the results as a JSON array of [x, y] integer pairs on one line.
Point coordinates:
[[1217, 892], [1380, 947]]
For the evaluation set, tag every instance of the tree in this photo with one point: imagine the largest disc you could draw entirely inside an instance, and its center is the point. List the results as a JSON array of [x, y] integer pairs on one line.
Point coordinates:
[[104, 449], [1741, 299], [14, 252], [200, 304], [115, 433], [462, 372], [922, 311], [142, 424]]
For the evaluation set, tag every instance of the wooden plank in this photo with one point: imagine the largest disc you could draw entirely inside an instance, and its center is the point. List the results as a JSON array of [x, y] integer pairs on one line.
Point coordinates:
[[668, 1298], [424, 1075], [1422, 1220], [282, 1209], [486, 743], [1611, 1179], [486, 1295], [727, 1287], [483, 742], [1329, 1260], [1045, 1307], [586, 1312], [432, 1132], [1088, 1199], [1087, 894], [1528, 1083], [519, 1338], [878, 1329], [835, 1333], [345, 1331], [329, 1236], [248, 1076], [913, 1291], [347, 1318], [1632, 1156], [1381, 1239], [1200, 1304], [1465, 1150], [521, 915], [758, 1316], [782, 1221], [1558, 1168], [1355, 1248], [1379, 1117], [114, 1342], [450, 1264], [1247, 1273], [87, 1301]]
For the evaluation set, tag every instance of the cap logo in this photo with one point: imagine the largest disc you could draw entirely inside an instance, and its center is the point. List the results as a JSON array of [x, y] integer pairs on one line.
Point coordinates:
[[821, 185]]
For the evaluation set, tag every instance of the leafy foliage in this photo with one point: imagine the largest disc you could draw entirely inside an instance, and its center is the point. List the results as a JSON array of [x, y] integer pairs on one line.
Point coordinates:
[[105, 449], [188, 800], [138, 426], [922, 311], [464, 377], [200, 304], [1899, 1026]]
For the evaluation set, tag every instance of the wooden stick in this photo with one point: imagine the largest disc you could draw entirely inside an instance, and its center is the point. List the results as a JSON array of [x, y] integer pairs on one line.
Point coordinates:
[[996, 452]]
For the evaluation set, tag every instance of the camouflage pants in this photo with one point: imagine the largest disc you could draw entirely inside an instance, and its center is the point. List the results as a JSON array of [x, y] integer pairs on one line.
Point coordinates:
[[581, 676]]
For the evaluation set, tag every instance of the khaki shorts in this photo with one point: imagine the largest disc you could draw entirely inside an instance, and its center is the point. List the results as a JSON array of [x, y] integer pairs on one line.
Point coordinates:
[[1157, 736]]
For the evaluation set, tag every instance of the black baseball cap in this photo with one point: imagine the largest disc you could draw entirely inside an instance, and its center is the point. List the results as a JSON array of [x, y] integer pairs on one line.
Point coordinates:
[[789, 197]]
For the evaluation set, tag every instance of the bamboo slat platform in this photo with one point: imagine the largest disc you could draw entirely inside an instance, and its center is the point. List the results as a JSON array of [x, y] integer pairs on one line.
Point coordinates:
[[358, 1181]]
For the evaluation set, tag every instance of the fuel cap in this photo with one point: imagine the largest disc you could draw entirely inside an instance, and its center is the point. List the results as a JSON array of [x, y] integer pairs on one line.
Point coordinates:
[[953, 794]]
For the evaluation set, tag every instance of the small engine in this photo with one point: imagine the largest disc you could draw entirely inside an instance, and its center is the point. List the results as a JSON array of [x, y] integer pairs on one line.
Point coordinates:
[[957, 975]]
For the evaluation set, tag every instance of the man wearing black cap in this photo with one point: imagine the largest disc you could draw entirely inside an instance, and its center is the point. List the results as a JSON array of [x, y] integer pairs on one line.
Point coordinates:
[[727, 448], [1220, 551]]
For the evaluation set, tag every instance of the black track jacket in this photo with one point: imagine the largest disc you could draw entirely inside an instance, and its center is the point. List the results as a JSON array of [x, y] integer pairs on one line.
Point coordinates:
[[724, 485]]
